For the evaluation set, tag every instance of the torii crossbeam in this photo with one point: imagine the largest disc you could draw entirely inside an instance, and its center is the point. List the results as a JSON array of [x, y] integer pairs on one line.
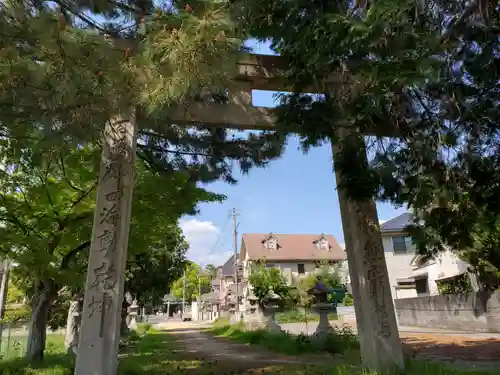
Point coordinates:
[[255, 72]]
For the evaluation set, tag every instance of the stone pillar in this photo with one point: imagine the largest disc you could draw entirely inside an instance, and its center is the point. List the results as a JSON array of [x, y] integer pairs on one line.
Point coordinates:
[[271, 325], [73, 324], [381, 348], [101, 318], [323, 309]]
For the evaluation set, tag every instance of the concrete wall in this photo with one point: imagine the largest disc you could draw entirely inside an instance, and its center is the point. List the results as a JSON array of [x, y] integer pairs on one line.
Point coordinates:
[[477, 312]]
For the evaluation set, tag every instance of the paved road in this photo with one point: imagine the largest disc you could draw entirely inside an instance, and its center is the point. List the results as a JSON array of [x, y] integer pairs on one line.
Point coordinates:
[[298, 328], [347, 316]]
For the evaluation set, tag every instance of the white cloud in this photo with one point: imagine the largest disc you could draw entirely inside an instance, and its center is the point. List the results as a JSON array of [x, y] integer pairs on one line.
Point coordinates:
[[202, 236], [382, 221]]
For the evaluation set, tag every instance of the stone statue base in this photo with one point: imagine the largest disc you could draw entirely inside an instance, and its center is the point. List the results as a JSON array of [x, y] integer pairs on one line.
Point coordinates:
[[270, 314], [324, 327]]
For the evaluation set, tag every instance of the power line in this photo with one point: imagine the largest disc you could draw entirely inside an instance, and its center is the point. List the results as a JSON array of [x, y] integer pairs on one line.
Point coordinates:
[[220, 234], [235, 244]]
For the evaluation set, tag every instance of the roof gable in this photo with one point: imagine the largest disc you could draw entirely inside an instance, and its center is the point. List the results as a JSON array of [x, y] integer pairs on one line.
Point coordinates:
[[397, 224], [292, 247], [227, 268]]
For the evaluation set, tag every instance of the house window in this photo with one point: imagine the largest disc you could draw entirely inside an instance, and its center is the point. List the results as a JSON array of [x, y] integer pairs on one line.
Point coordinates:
[[399, 245], [323, 244], [271, 244], [422, 286], [301, 269], [270, 265]]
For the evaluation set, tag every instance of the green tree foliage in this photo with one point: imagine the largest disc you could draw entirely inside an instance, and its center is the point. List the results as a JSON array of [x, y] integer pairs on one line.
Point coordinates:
[[46, 207], [150, 273], [457, 285], [211, 271], [263, 280], [14, 294], [427, 73], [329, 276], [147, 57], [65, 69], [187, 285]]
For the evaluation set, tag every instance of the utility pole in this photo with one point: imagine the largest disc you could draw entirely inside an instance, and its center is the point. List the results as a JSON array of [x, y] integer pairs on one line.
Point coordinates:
[[199, 297], [199, 288], [235, 239], [183, 293]]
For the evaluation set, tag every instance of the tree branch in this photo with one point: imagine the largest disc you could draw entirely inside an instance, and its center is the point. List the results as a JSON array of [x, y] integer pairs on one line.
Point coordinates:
[[84, 195], [83, 18], [68, 257], [63, 169], [160, 149], [471, 8]]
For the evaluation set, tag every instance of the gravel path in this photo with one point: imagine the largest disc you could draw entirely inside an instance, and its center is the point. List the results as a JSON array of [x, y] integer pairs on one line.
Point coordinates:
[[192, 341], [471, 351]]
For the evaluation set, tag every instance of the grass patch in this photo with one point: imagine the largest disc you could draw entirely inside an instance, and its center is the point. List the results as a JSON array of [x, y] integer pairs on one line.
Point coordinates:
[[340, 340], [300, 316], [56, 361]]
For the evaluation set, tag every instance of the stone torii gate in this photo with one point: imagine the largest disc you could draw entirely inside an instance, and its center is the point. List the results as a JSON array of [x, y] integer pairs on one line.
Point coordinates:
[[100, 329]]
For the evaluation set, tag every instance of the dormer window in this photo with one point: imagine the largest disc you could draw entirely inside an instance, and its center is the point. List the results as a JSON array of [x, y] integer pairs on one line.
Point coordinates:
[[272, 244], [323, 244]]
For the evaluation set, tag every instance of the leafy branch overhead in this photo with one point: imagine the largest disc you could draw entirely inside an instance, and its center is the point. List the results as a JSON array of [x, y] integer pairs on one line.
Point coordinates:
[[61, 67], [422, 79]]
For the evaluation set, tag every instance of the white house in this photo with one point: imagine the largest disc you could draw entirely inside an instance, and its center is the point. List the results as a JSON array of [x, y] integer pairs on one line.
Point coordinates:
[[409, 275]]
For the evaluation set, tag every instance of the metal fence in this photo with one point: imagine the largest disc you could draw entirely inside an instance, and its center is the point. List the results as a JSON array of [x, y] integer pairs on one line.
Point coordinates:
[[13, 340]]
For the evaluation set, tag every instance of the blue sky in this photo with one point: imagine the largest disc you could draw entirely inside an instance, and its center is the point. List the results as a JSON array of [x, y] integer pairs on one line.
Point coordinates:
[[295, 194]]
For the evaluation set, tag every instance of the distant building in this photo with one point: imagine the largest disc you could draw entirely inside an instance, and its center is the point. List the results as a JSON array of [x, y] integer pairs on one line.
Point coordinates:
[[409, 274], [294, 254]]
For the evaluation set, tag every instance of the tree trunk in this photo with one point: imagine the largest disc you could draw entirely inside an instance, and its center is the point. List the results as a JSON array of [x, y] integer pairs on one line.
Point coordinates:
[[38, 324], [4, 287], [124, 316], [73, 323]]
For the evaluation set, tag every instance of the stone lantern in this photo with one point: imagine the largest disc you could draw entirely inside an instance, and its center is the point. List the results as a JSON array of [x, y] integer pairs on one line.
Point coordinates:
[[133, 312], [321, 306], [253, 303], [253, 317], [270, 304]]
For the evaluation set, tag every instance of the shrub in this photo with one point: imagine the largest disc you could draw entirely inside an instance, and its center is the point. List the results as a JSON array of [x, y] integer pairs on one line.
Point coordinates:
[[144, 328], [348, 300], [263, 280], [220, 322], [338, 341], [299, 316], [18, 314]]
